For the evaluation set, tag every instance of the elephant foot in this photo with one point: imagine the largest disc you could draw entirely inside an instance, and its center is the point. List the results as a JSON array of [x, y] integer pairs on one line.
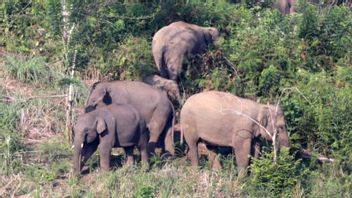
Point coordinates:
[[145, 166]]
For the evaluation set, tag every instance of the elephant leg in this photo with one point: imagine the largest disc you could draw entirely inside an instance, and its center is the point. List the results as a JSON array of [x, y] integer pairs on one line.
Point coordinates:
[[88, 151], [129, 155], [255, 148], [154, 131], [193, 153], [168, 140], [242, 149], [174, 66], [213, 160], [105, 158], [159, 60], [144, 148], [155, 127], [192, 142]]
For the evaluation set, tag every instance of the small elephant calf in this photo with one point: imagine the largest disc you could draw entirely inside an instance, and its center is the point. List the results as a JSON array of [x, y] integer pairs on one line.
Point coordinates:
[[111, 126]]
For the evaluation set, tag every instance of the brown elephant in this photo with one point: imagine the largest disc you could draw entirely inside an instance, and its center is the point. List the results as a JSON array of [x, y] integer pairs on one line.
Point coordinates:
[[109, 127], [285, 6], [222, 119], [171, 43], [152, 104], [167, 85]]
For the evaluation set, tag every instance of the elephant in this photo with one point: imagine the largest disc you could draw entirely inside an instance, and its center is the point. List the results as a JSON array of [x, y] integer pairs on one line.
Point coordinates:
[[111, 126], [222, 119], [152, 104], [285, 6], [167, 85], [171, 43]]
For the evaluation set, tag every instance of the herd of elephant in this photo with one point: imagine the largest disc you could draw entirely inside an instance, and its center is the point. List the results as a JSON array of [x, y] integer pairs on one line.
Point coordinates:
[[131, 114]]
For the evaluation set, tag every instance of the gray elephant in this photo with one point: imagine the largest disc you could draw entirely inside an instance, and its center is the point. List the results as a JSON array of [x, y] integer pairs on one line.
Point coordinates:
[[109, 127], [285, 6], [222, 119], [152, 104], [167, 85], [171, 43]]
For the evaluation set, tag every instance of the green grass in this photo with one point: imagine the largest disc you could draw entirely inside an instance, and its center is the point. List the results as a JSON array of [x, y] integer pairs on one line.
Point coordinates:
[[32, 70]]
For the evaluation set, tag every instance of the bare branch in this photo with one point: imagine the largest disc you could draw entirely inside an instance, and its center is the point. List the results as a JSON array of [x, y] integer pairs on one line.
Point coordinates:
[[11, 99], [224, 110], [231, 65]]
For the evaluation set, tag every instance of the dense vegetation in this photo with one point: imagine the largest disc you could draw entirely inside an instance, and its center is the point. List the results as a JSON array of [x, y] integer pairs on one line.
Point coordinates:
[[303, 61]]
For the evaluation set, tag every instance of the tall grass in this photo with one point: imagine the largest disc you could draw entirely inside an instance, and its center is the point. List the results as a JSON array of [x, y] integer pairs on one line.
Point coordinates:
[[32, 70]]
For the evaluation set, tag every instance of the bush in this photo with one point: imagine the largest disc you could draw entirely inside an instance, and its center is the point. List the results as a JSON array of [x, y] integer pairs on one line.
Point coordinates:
[[320, 114], [275, 180]]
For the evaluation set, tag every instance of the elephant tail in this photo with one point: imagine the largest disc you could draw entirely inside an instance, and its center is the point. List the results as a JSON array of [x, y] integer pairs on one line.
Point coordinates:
[[173, 122], [162, 64], [181, 134]]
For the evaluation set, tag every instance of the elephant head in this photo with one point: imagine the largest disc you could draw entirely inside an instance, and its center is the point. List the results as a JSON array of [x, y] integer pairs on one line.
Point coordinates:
[[86, 140], [272, 118], [212, 35], [167, 85], [99, 96]]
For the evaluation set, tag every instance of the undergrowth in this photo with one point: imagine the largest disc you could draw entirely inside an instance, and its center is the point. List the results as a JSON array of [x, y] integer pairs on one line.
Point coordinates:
[[301, 60]]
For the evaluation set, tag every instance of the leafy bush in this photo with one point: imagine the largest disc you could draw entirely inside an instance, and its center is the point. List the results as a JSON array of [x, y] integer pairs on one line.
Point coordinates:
[[133, 60], [275, 180], [312, 114]]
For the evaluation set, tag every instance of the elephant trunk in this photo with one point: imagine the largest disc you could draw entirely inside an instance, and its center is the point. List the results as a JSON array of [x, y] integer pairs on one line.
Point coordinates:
[[284, 140], [77, 158]]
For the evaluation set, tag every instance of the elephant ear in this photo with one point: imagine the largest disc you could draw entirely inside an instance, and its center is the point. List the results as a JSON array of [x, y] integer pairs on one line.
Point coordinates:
[[102, 97], [208, 38], [101, 125], [263, 118], [213, 35]]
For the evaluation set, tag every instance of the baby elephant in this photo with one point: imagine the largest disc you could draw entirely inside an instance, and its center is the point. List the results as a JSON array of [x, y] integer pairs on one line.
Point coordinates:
[[222, 119], [111, 126]]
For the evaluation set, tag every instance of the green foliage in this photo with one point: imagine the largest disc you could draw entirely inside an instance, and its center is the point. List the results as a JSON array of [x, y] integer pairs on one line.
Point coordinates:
[[302, 60], [32, 70], [308, 28], [145, 192], [275, 179], [260, 45], [269, 81], [9, 138], [53, 14], [133, 60], [329, 181], [335, 34], [312, 114], [40, 174]]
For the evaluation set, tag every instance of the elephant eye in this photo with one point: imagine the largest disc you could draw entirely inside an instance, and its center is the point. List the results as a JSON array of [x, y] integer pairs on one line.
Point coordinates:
[[280, 129]]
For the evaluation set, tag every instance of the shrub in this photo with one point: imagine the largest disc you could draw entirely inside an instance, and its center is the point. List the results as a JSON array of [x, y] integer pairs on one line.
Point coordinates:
[[274, 180], [320, 114], [131, 60]]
